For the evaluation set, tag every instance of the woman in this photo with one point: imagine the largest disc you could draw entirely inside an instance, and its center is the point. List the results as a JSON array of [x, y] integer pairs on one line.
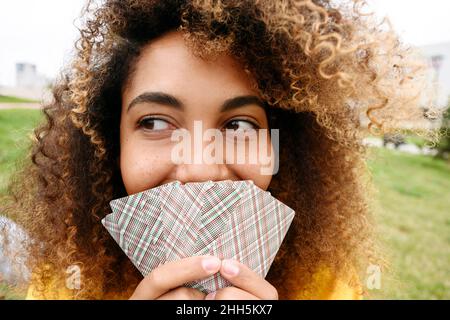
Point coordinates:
[[145, 68]]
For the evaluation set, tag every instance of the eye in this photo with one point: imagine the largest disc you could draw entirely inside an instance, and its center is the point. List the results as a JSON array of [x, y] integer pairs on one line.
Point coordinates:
[[236, 124], [155, 124]]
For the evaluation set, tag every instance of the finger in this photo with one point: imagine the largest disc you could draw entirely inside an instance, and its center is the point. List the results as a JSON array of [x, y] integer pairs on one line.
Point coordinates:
[[231, 293], [243, 277], [183, 293], [174, 274]]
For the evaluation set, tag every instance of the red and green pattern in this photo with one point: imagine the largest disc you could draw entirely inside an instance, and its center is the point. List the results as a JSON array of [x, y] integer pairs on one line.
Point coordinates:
[[228, 219]]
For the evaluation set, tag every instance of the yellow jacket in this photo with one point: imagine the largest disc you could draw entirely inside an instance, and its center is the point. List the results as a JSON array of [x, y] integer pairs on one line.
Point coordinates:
[[325, 287]]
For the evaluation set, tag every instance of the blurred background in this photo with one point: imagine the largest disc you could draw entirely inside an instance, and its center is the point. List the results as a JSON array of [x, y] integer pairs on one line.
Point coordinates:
[[412, 177]]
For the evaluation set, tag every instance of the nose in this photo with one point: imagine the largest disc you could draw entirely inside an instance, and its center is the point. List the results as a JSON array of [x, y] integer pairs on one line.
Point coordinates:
[[196, 168]]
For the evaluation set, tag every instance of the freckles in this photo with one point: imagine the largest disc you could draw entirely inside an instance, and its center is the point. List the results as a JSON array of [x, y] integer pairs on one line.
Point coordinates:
[[149, 165], [143, 166]]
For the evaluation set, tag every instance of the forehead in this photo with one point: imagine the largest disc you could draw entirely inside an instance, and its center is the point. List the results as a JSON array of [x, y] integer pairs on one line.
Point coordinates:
[[167, 64]]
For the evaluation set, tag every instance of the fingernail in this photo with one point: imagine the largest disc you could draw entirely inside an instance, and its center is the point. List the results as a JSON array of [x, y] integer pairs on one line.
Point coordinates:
[[230, 268], [211, 264], [211, 296]]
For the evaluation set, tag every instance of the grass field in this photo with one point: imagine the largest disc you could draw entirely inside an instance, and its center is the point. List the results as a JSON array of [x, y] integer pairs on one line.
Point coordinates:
[[15, 127], [9, 99], [413, 212], [414, 223]]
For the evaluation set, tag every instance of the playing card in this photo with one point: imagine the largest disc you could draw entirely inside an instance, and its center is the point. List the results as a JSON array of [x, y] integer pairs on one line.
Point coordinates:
[[228, 219]]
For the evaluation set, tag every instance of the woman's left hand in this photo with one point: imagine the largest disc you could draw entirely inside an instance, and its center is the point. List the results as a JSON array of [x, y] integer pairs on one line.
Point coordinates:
[[247, 284]]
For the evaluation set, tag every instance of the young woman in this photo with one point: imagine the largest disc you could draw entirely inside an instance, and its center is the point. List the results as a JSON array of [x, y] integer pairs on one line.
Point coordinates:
[[146, 68]]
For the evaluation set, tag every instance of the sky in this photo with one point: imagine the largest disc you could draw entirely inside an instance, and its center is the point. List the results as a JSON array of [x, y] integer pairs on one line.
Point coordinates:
[[43, 32]]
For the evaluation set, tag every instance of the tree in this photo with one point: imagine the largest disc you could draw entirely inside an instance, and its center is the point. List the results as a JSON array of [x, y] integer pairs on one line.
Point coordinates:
[[444, 143]]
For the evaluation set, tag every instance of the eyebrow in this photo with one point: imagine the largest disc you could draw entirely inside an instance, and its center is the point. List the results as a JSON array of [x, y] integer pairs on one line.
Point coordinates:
[[171, 101]]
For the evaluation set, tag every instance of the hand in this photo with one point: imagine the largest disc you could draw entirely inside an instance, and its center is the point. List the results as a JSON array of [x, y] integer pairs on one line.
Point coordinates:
[[165, 282], [248, 284]]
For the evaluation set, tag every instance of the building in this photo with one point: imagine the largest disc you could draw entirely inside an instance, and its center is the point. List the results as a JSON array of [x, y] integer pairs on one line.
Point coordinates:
[[29, 84], [27, 77], [438, 56]]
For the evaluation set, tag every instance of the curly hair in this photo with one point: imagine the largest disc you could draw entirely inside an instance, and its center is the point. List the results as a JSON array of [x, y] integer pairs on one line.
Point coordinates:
[[319, 67]]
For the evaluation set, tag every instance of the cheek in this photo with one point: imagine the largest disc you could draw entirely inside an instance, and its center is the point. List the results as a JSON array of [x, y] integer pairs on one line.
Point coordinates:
[[143, 166], [252, 172]]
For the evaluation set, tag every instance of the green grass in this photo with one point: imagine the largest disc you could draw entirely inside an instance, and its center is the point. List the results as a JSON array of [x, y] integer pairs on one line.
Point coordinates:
[[10, 99], [413, 212], [414, 223], [16, 125], [418, 141]]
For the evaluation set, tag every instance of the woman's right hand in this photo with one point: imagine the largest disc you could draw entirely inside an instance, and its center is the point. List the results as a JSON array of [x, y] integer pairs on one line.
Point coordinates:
[[165, 282]]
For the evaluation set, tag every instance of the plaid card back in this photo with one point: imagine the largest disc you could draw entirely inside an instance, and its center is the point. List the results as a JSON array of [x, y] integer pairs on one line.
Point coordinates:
[[228, 219]]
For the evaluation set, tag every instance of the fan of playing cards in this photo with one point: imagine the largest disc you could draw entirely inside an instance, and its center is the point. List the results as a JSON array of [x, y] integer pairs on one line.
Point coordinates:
[[227, 219]]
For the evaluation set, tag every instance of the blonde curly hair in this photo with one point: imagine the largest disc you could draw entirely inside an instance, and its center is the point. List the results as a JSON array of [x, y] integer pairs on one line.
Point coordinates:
[[319, 66]]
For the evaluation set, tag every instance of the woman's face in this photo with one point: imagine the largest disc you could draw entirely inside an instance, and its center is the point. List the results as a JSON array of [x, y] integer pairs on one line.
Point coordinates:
[[169, 90]]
